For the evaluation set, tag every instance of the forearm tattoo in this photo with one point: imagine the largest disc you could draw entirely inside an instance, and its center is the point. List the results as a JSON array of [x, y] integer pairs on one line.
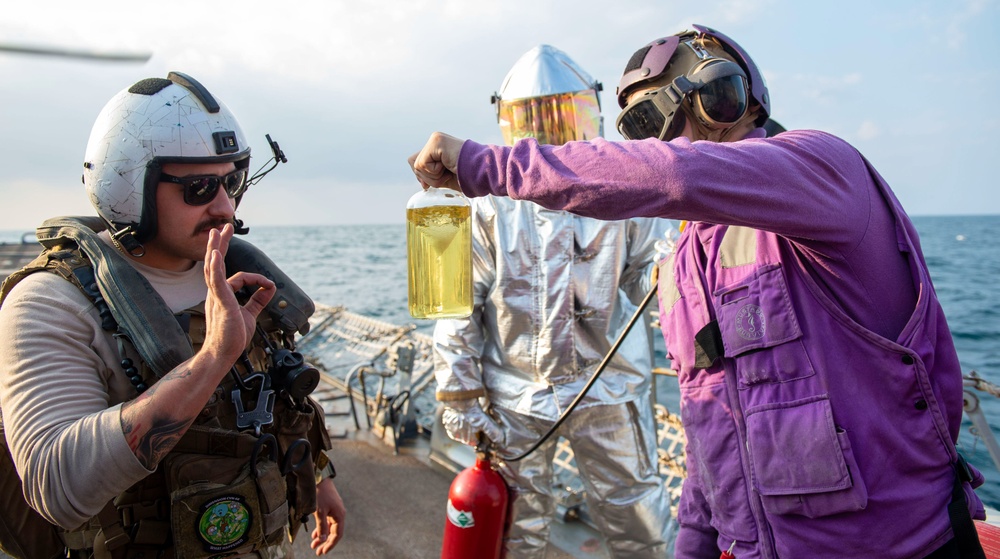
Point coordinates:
[[151, 442]]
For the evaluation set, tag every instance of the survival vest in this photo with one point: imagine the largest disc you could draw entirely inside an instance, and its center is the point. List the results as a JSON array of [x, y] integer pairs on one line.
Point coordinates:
[[242, 472], [783, 382]]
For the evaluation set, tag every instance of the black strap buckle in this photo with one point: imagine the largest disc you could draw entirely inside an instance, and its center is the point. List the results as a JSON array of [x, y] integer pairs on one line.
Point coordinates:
[[708, 345], [963, 470]]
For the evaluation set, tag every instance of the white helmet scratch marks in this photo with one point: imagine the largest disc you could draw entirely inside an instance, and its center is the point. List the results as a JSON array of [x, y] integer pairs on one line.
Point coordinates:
[[155, 121]]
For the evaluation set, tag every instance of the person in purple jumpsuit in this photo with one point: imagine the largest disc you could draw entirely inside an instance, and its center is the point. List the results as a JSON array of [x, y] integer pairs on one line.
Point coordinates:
[[821, 392]]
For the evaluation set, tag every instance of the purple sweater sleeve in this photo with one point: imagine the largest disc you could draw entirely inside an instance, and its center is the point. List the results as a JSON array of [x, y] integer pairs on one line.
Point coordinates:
[[806, 185]]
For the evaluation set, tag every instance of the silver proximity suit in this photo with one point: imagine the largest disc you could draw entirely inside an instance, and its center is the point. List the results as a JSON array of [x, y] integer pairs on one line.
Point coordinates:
[[552, 293]]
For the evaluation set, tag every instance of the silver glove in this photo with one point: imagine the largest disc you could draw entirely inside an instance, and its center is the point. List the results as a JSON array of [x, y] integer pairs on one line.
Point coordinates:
[[464, 419]]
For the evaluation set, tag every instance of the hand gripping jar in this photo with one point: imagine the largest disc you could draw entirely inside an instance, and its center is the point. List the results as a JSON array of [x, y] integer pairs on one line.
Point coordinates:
[[439, 254]]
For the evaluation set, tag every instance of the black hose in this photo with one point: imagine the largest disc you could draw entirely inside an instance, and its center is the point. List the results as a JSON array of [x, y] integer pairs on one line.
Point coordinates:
[[604, 363]]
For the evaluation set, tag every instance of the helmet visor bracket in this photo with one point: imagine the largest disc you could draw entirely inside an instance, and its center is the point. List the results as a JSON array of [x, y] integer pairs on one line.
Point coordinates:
[[551, 119]]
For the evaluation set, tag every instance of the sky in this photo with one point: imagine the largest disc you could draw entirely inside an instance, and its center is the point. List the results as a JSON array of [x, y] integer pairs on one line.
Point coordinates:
[[351, 88]]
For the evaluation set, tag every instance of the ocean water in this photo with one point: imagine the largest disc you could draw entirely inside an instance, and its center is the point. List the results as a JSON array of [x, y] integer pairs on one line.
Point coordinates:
[[963, 255], [364, 269]]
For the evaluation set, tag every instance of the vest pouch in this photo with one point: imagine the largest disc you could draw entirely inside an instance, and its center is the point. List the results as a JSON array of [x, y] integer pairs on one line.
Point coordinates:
[[801, 462], [298, 458], [221, 505]]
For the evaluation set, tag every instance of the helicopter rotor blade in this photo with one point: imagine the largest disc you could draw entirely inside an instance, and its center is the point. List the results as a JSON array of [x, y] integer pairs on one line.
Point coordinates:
[[74, 53]]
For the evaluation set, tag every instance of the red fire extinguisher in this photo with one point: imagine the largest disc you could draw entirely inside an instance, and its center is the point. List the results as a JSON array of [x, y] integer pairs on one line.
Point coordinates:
[[477, 512]]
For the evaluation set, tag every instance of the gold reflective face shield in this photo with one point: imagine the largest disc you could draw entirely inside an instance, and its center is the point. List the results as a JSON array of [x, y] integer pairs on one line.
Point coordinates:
[[553, 119]]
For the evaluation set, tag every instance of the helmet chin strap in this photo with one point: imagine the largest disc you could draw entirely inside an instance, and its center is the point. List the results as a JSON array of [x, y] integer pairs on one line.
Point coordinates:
[[124, 239]]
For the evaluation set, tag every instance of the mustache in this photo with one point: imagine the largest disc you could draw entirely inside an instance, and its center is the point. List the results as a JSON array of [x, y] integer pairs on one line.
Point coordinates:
[[209, 224]]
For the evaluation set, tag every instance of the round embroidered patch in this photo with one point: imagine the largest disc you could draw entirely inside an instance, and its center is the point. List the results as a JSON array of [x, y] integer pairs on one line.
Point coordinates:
[[750, 322], [224, 522]]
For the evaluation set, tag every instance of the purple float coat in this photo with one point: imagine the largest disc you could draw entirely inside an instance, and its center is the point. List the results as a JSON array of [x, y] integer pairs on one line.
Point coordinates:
[[825, 424]]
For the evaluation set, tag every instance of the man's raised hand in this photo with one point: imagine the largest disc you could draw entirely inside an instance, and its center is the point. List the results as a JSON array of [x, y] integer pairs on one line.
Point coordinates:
[[229, 325], [437, 163]]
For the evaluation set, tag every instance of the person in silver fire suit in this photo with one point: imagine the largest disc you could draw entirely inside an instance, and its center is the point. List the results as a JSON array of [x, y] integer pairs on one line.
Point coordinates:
[[552, 293]]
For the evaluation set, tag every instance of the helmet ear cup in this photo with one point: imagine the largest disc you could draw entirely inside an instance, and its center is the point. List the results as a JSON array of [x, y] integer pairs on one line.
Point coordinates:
[[147, 226]]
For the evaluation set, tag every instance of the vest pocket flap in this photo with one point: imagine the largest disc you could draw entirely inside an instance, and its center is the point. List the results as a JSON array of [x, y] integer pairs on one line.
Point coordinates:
[[801, 463], [794, 448], [756, 313]]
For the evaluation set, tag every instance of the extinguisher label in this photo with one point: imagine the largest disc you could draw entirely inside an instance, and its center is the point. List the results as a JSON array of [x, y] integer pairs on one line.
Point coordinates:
[[460, 518]]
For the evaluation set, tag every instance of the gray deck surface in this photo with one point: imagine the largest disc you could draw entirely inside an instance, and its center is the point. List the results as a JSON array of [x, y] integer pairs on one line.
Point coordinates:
[[395, 504]]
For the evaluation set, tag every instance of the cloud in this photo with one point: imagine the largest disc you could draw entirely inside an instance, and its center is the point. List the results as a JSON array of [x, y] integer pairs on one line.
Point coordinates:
[[742, 11], [868, 130], [958, 21], [825, 89]]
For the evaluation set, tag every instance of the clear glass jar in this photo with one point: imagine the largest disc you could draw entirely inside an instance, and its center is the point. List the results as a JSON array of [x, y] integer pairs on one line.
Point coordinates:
[[439, 254]]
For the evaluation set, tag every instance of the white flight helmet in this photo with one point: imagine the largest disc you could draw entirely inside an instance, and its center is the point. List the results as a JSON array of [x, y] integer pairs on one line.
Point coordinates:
[[156, 121], [548, 97]]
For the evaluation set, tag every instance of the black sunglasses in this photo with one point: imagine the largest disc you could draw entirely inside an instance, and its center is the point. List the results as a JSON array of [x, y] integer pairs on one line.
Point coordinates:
[[201, 189]]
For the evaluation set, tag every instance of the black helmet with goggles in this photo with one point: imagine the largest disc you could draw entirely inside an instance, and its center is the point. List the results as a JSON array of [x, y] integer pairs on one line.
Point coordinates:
[[703, 68]]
